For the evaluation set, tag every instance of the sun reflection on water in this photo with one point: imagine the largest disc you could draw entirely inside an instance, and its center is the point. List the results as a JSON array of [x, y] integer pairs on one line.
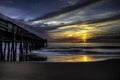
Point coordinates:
[[77, 58], [83, 58]]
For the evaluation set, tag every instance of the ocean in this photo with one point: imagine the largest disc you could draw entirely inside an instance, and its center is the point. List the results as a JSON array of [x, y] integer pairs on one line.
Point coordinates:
[[80, 52]]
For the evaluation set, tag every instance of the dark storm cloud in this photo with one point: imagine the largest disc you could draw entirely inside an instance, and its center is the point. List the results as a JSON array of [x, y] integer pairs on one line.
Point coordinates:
[[111, 18], [66, 9], [106, 38], [95, 39], [71, 39]]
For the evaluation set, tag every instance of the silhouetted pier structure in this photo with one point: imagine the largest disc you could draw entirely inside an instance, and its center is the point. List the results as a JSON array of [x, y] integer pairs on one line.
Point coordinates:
[[15, 39]]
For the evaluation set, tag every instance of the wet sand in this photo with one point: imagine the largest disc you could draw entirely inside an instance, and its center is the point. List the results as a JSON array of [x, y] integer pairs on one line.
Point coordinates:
[[102, 70]]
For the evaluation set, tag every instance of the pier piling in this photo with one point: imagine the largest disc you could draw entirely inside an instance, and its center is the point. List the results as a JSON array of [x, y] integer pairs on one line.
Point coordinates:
[[14, 38]]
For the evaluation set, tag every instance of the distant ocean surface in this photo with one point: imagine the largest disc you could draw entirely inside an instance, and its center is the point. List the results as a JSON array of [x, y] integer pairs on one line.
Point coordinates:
[[80, 52]]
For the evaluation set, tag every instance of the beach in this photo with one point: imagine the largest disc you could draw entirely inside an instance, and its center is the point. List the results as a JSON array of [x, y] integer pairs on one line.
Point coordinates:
[[66, 63], [101, 70]]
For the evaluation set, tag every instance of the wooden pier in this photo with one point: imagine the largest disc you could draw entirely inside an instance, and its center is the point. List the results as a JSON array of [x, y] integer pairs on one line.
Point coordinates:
[[16, 39]]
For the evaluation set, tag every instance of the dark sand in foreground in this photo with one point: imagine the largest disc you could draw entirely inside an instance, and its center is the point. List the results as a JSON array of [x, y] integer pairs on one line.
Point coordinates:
[[102, 70]]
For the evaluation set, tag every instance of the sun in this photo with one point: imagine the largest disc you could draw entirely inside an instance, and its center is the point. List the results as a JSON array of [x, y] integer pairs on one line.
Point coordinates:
[[84, 37]]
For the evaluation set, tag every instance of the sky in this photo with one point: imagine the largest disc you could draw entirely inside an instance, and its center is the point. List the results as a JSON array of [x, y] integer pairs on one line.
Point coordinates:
[[68, 20]]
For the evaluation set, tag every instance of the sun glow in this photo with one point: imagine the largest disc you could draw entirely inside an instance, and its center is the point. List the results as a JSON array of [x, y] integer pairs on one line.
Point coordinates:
[[85, 58], [79, 32], [84, 37]]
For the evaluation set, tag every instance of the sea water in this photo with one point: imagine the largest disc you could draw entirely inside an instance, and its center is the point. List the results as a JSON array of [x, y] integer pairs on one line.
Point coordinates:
[[80, 52]]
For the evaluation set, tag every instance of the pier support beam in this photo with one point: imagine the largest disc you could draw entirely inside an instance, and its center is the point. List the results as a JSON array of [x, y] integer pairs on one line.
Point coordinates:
[[1, 48], [8, 52]]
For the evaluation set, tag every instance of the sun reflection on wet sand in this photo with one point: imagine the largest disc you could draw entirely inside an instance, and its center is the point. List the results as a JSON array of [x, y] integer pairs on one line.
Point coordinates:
[[80, 58], [74, 58], [83, 58]]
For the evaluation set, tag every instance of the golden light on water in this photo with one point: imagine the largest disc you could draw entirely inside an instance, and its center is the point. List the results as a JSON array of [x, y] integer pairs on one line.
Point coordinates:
[[86, 58], [76, 58]]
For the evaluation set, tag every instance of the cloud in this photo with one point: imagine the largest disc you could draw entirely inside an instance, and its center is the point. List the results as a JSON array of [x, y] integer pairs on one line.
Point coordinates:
[[8, 11], [66, 10], [73, 2], [67, 40], [75, 15], [55, 23], [91, 30], [98, 19]]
